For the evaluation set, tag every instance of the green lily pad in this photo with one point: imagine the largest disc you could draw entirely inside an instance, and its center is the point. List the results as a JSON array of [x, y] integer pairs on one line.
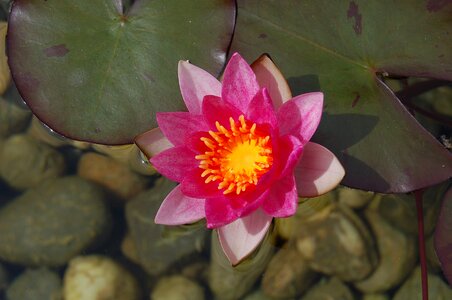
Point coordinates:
[[93, 73], [344, 49]]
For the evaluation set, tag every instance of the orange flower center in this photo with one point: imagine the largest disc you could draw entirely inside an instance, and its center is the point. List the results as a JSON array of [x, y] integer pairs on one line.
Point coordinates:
[[236, 158]]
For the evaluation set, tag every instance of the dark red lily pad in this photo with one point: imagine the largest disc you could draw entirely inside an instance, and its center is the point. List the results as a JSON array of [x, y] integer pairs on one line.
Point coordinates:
[[344, 50], [443, 236], [92, 72]]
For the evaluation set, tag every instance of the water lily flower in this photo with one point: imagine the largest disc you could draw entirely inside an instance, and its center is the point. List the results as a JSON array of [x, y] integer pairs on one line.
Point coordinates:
[[241, 153]]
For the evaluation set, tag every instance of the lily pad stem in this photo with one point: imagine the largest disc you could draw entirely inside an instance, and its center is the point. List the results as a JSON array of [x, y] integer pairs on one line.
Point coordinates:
[[421, 240]]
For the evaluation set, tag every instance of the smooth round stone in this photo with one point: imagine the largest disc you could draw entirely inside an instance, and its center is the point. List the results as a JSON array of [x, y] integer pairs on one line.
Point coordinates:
[[26, 162], [13, 119], [50, 224], [99, 278], [336, 242], [411, 288], [158, 247], [397, 250], [375, 297], [112, 174], [353, 198], [177, 288], [331, 288], [39, 284], [287, 275]]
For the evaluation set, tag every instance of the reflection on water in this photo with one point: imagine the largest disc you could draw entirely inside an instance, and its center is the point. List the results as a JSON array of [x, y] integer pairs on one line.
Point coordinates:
[[76, 220]]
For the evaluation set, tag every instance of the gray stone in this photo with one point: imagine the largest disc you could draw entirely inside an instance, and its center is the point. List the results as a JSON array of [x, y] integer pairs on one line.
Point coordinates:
[[38, 284], [336, 242], [397, 249], [177, 288], [50, 224], [288, 275], [411, 289], [230, 283], [158, 246], [26, 162], [13, 119], [329, 289]]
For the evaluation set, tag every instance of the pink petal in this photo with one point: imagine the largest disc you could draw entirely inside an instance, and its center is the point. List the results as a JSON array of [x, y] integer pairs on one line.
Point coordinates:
[[318, 171], [195, 83], [215, 109], [219, 212], [261, 109], [283, 198], [152, 142], [178, 209], [286, 155], [194, 185], [240, 238], [269, 76], [174, 163], [239, 83], [301, 115], [178, 126]]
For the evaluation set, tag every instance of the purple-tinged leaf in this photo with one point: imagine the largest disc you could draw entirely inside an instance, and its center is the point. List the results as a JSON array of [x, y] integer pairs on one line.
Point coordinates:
[[92, 72], [342, 50]]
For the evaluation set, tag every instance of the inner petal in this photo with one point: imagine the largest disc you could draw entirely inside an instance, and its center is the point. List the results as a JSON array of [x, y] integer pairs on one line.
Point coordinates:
[[237, 157]]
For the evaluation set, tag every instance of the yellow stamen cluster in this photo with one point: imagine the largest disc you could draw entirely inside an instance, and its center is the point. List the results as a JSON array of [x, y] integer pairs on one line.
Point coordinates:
[[237, 157]]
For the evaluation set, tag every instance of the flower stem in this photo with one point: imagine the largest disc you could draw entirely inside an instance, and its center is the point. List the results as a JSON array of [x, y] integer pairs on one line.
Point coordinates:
[[421, 239]]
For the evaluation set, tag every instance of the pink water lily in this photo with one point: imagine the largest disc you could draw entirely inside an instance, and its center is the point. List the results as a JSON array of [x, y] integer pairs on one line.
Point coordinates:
[[241, 153]]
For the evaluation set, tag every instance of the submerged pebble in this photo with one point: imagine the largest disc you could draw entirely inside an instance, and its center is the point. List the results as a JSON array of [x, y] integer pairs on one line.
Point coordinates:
[[38, 284], [26, 162], [331, 288], [96, 277], [397, 250], [177, 288], [336, 242], [287, 275], [112, 174], [50, 224], [412, 288], [157, 246], [13, 119]]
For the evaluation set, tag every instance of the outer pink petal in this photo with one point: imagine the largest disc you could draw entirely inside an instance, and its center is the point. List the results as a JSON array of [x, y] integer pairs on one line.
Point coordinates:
[[152, 142], [318, 171], [178, 209], [301, 115], [261, 109], [178, 126], [240, 238], [287, 154], [175, 163], [239, 83], [195, 83], [269, 76], [283, 198], [215, 109], [219, 212], [194, 186]]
